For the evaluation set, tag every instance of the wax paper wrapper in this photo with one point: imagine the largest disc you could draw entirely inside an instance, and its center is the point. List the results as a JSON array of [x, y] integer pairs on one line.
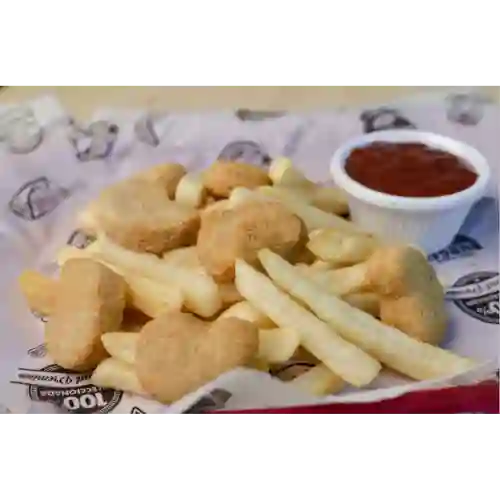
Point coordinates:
[[42, 189]]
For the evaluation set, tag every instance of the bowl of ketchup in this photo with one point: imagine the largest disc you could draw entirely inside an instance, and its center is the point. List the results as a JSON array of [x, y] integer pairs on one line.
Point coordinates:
[[409, 186]]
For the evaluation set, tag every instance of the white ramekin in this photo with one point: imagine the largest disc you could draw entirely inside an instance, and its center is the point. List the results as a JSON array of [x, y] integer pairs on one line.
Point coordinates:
[[430, 223]]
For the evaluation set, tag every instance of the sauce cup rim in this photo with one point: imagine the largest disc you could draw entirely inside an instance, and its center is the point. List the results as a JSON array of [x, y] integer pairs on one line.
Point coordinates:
[[460, 149]]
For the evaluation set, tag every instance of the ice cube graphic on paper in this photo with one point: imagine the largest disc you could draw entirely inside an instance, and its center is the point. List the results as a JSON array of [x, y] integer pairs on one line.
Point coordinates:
[[215, 400], [465, 109], [39, 351], [249, 115], [94, 142], [37, 198], [79, 239], [384, 119], [145, 131], [245, 152]]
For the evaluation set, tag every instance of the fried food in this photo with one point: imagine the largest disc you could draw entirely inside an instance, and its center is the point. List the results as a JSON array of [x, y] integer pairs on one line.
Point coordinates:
[[411, 296], [246, 311], [223, 176], [350, 362], [282, 173], [229, 294], [200, 292], [285, 176], [121, 345], [277, 345], [188, 257], [177, 353], [152, 297], [133, 320], [90, 301], [116, 374], [241, 232], [39, 291], [217, 206], [392, 347], [191, 191], [138, 215], [340, 248], [367, 302], [167, 176], [318, 381]]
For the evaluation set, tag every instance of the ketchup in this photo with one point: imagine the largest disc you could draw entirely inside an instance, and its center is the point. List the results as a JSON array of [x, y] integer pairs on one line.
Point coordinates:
[[409, 169]]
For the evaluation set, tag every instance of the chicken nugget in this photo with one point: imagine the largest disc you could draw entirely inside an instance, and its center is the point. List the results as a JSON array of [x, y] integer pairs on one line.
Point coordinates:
[[177, 353], [223, 176], [139, 216], [240, 233], [167, 176], [90, 301]]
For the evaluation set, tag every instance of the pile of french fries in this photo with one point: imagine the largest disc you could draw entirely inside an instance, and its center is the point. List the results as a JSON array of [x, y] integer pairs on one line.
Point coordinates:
[[326, 305]]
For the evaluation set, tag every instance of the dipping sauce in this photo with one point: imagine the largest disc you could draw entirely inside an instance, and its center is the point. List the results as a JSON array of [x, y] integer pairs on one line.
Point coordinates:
[[413, 170]]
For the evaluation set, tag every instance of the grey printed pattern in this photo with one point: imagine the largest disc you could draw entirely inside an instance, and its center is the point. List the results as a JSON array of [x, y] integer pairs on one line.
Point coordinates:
[[94, 142]]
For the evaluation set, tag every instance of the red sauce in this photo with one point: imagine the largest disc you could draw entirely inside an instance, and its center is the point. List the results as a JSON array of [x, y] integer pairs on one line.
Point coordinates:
[[409, 169]]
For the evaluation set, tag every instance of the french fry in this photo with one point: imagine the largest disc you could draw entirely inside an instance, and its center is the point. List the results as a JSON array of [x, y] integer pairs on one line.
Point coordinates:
[[367, 302], [201, 294], [145, 294], [351, 363], [121, 345], [341, 248], [329, 199], [186, 257], [282, 173], [321, 265], [118, 375], [152, 298], [277, 345], [318, 381], [245, 310], [191, 191], [39, 291], [392, 347], [313, 217]]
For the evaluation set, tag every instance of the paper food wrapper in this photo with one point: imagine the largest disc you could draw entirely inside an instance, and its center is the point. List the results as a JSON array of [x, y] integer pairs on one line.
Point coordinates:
[[43, 186]]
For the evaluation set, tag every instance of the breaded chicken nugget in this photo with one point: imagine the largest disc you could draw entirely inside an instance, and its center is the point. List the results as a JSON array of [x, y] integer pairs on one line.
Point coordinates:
[[178, 353], [167, 176], [139, 216], [223, 176], [90, 301], [240, 233]]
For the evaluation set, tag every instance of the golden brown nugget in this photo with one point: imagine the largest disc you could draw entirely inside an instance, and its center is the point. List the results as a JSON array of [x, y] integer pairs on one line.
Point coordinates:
[[90, 301], [223, 176], [178, 353], [139, 216], [240, 233], [229, 294], [39, 291], [411, 296], [167, 176]]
